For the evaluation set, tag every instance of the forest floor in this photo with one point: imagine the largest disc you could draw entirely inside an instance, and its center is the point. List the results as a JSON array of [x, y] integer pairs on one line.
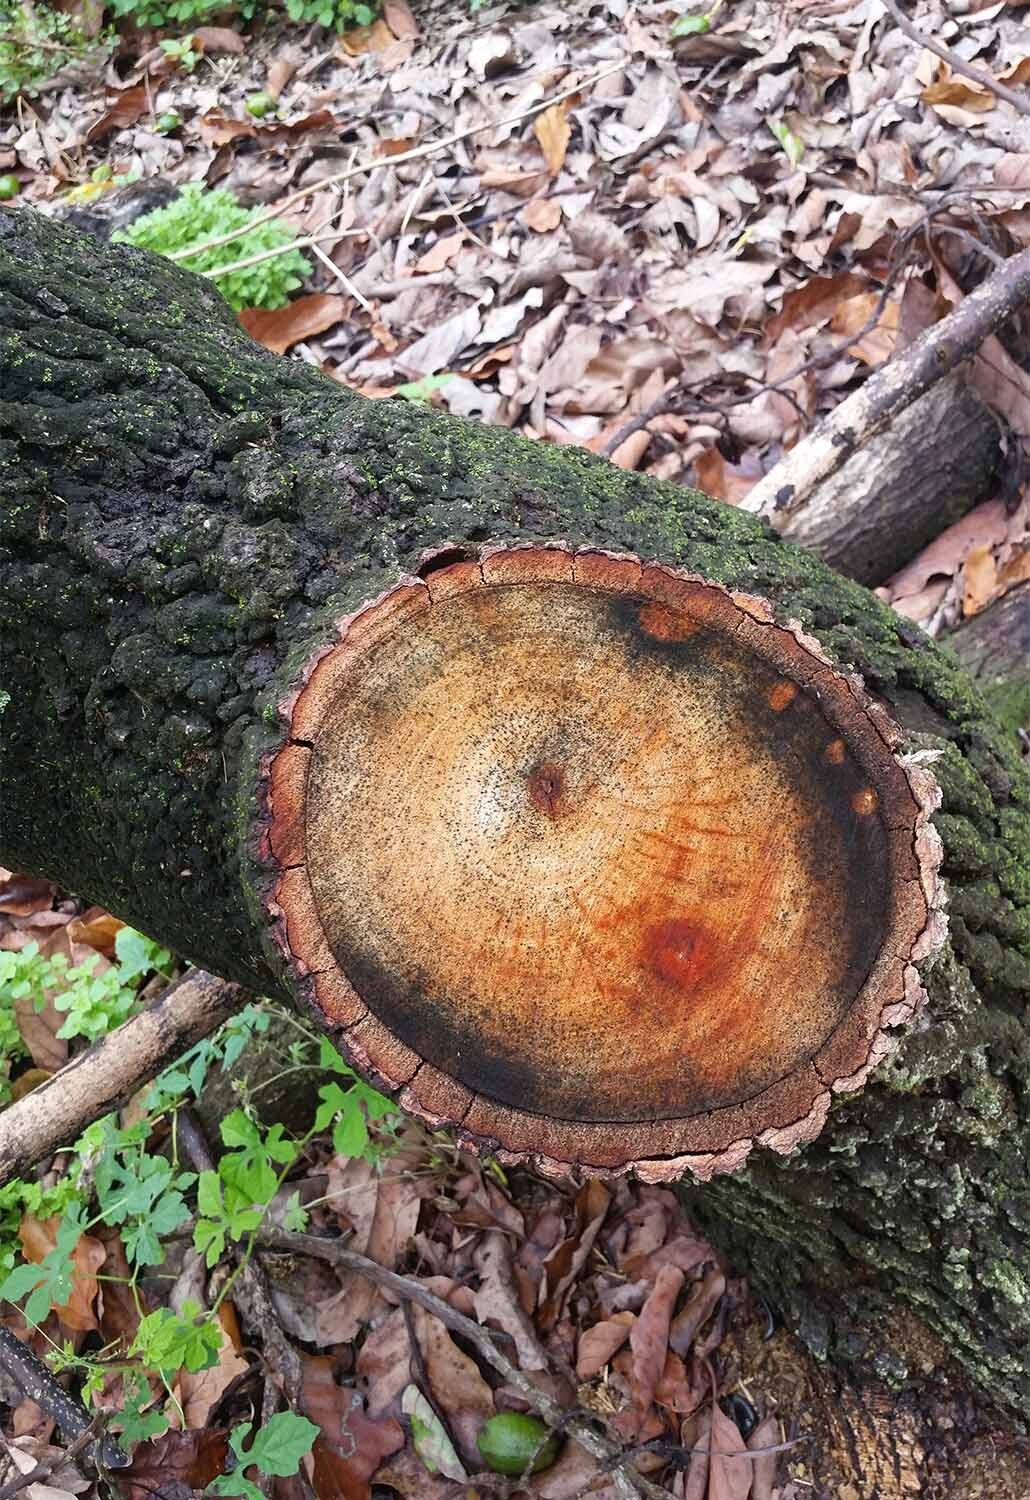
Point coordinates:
[[710, 240]]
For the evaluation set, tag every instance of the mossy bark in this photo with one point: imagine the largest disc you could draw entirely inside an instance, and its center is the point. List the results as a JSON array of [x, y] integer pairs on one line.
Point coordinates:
[[184, 515]]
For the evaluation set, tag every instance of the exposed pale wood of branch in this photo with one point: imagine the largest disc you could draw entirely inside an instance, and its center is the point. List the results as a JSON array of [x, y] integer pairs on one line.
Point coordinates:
[[790, 484], [109, 1073]]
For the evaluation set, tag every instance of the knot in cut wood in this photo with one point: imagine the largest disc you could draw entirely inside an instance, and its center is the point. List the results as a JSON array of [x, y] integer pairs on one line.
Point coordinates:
[[597, 862]]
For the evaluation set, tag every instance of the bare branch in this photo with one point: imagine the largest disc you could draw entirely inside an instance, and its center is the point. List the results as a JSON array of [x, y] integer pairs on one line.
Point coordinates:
[[102, 1078]]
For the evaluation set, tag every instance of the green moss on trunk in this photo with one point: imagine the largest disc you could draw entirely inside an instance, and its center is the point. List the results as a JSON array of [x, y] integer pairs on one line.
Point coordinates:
[[183, 517]]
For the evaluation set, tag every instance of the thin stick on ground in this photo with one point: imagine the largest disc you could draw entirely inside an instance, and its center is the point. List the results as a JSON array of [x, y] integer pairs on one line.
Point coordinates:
[[417, 153], [607, 1452], [957, 64], [109, 1073], [890, 390]]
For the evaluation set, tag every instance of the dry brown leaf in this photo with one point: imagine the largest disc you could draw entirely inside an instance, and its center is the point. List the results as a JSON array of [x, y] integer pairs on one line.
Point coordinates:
[[1013, 170], [984, 526], [1016, 570], [497, 1303], [97, 929], [300, 319], [879, 343], [22, 895], [598, 240], [813, 302], [721, 479], [352, 1445], [456, 1383], [398, 16], [127, 108], [521, 184], [190, 1460], [375, 38], [542, 215], [38, 1238], [218, 39], [649, 1336], [441, 254], [951, 88], [696, 1311], [729, 1476], [278, 76], [630, 453], [597, 1345], [763, 1468], [552, 129], [979, 580]]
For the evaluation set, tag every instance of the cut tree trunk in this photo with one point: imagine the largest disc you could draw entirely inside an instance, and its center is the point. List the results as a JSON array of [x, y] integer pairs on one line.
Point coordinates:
[[887, 501], [601, 861]]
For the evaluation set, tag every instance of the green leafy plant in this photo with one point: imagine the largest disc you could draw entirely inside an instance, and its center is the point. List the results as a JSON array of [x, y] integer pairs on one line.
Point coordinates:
[[276, 1450], [159, 13], [183, 51], [199, 214], [116, 1180], [35, 42], [95, 1003], [336, 15]]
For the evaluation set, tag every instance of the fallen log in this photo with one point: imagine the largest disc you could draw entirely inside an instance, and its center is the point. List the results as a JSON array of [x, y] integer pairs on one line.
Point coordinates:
[[583, 813], [995, 646]]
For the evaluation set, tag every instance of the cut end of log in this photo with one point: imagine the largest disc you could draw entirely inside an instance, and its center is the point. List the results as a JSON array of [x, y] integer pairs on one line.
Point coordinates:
[[598, 863]]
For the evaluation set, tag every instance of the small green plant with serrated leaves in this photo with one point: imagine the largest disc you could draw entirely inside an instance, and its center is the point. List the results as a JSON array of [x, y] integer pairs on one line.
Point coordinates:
[[35, 42], [199, 214], [95, 1003], [335, 15], [167, 13], [276, 1450]]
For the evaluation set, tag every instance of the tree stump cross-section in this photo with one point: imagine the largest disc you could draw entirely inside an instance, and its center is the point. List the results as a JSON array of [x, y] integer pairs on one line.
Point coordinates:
[[597, 862]]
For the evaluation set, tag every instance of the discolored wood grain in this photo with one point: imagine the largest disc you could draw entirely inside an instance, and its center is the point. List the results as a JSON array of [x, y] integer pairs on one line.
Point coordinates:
[[619, 864]]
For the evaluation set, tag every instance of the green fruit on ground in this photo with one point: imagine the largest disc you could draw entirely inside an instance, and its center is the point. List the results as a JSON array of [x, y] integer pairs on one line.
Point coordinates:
[[10, 187], [168, 122], [259, 105], [509, 1441]]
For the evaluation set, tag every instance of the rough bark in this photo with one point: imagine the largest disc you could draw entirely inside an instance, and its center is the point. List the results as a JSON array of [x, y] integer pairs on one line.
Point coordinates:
[[185, 519], [995, 646]]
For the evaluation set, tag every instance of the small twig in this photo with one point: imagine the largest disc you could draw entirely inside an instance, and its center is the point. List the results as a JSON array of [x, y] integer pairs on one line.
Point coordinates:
[[39, 1384], [1021, 102], [342, 278], [581, 1430], [418, 153]]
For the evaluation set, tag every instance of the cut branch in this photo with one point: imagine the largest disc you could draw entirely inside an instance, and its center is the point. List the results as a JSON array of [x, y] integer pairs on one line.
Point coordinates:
[[782, 494], [110, 1072]]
